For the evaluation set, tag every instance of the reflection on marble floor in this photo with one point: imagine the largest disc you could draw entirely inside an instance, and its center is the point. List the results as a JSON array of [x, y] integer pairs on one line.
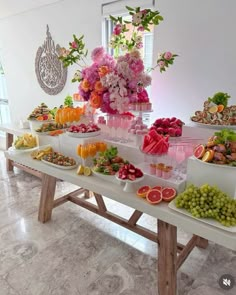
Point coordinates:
[[79, 253]]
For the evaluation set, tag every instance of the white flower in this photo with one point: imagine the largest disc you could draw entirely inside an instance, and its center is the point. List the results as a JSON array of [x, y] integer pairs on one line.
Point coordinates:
[[77, 75], [123, 47], [138, 39], [136, 18]]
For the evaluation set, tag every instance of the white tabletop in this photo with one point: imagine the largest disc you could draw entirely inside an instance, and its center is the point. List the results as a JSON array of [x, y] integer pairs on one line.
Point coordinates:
[[115, 191], [14, 129]]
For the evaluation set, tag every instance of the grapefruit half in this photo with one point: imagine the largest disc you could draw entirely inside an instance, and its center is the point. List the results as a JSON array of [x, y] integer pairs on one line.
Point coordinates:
[[143, 190], [154, 196], [199, 151], [168, 194]]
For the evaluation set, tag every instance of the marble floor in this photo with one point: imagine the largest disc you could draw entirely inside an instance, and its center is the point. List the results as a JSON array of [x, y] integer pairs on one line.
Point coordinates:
[[79, 253]]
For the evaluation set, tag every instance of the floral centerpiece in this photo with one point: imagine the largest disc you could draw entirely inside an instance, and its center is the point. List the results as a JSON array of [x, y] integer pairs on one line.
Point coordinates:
[[112, 83]]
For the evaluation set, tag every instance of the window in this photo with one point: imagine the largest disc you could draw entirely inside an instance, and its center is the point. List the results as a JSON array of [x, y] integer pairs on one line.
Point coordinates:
[[4, 108]]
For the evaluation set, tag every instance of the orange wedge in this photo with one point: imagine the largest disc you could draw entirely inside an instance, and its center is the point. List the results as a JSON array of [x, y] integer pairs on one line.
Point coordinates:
[[220, 108], [208, 156]]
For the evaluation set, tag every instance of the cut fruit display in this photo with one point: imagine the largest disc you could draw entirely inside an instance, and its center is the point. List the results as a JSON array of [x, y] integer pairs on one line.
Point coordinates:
[[143, 190], [154, 143], [168, 126], [157, 193], [154, 196], [83, 128], [129, 172], [168, 194]]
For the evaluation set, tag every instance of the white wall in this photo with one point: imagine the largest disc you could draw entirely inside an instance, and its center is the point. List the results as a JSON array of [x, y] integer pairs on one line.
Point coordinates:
[[201, 32], [22, 34]]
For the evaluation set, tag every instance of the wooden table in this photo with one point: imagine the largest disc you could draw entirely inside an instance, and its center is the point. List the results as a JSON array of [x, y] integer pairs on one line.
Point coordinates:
[[171, 254]]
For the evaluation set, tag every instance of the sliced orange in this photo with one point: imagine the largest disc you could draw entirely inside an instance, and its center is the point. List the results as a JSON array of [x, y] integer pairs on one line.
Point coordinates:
[[220, 108], [208, 156], [213, 109]]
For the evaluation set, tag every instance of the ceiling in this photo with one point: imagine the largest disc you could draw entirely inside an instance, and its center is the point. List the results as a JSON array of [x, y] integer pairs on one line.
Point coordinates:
[[13, 7]]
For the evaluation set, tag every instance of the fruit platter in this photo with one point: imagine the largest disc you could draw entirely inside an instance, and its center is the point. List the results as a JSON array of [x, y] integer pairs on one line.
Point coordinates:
[[220, 149], [168, 126], [216, 112], [83, 130], [155, 143], [157, 194], [25, 142], [41, 113], [208, 204], [108, 162], [59, 160], [130, 175]]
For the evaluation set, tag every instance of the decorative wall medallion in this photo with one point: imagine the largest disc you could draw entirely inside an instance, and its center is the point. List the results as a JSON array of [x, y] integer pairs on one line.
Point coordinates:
[[49, 69]]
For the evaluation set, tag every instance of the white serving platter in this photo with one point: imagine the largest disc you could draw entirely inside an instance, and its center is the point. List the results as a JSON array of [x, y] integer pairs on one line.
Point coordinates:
[[83, 135], [209, 221], [59, 166], [211, 126], [104, 176], [22, 150], [214, 165]]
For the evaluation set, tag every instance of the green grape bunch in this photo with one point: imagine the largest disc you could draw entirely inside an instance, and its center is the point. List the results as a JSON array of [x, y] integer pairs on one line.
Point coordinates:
[[208, 202]]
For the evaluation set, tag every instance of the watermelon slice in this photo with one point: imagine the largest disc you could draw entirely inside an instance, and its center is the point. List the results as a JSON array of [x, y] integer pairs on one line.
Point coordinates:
[[152, 133]]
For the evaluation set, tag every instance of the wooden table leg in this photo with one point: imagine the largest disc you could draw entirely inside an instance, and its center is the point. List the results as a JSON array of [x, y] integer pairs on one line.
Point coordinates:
[[47, 198], [202, 243], [9, 141], [167, 259]]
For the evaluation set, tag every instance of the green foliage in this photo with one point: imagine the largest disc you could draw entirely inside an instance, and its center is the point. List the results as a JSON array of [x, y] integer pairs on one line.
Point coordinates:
[[141, 20], [53, 112], [75, 53], [165, 62], [220, 98], [68, 101], [225, 135], [110, 153]]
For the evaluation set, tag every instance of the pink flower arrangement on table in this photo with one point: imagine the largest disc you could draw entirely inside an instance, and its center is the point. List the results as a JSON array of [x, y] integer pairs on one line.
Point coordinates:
[[111, 84]]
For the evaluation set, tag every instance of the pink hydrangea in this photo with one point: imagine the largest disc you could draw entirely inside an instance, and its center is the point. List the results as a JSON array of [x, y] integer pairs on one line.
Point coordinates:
[[136, 66], [97, 54]]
